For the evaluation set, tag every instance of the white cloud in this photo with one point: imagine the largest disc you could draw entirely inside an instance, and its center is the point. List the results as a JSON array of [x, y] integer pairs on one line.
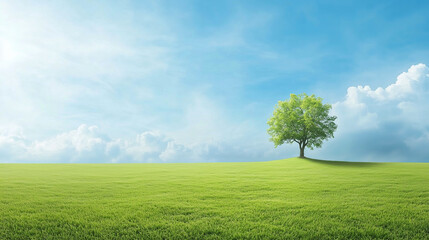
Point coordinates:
[[13, 143], [84, 143], [146, 147], [407, 84], [383, 124], [364, 108], [88, 144]]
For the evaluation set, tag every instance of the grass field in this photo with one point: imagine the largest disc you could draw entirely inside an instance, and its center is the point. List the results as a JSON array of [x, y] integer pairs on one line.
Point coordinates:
[[291, 198]]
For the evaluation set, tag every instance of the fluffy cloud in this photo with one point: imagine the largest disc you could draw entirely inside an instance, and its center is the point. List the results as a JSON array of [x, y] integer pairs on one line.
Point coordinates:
[[365, 108], [12, 142], [89, 144], [153, 146], [385, 124], [407, 83], [84, 143]]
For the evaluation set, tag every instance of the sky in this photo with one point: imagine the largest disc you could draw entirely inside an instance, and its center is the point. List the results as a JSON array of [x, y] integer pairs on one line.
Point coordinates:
[[196, 81]]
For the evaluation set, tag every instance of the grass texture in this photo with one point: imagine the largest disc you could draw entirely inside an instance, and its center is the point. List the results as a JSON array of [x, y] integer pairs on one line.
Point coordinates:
[[285, 199]]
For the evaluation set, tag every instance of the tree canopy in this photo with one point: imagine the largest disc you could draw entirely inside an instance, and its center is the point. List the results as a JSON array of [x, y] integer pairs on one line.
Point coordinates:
[[302, 119]]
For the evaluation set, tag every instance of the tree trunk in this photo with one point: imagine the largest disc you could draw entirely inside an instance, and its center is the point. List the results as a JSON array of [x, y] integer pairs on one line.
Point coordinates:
[[301, 152]]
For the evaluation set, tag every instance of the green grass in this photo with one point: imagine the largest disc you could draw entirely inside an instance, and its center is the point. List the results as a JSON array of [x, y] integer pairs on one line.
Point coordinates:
[[291, 198]]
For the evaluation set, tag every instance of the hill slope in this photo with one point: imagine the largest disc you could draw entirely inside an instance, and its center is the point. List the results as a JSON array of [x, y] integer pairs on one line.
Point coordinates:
[[291, 198]]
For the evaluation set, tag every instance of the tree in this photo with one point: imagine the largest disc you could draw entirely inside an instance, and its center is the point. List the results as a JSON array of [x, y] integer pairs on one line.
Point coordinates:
[[302, 119]]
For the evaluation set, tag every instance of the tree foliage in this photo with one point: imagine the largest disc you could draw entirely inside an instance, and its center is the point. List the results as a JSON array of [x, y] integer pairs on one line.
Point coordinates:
[[302, 119]]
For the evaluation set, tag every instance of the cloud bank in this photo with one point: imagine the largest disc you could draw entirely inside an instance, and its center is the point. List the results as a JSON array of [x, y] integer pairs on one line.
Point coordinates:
[[88, 144], [384, 124]]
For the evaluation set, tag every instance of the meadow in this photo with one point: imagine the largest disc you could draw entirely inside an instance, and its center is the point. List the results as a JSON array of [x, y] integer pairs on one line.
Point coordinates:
[[284, 199]]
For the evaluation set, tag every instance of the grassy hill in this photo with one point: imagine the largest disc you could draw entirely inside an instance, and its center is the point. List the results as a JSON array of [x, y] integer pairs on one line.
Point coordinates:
[[291, 198]]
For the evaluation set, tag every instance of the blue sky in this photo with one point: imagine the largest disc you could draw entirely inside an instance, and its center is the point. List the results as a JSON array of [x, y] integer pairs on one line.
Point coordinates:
[[193, 81]]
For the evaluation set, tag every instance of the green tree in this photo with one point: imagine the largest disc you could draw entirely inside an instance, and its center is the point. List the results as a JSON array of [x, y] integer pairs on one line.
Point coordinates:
[[302, 119]]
